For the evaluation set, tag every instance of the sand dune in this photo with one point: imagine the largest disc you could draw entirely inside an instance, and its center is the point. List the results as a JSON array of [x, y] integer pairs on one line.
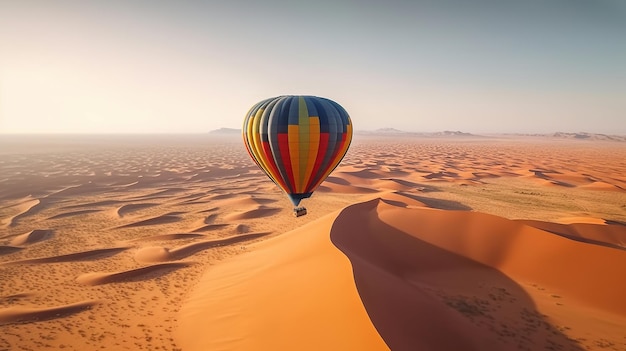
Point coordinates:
[[412, 243], [32, 237], [162, 237], [209, 210], [600, 234], [26, 208], [235, 200], [291, 281], [161, 194], [76, 190], [256, 212], [398, 184], [162, 254], [73, 213], [419, 284], [210, 227], [602, 186], [162, 219], [14, 297], [521, 251], [72, 257], [23, 314], [346, 189], [130, 275], [129, 208]]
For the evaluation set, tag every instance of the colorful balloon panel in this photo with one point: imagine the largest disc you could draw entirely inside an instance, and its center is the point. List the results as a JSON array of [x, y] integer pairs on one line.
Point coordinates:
[[297, 141]]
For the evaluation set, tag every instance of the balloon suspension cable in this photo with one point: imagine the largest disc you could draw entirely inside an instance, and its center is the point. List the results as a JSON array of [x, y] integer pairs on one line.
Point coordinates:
[[299, 211]]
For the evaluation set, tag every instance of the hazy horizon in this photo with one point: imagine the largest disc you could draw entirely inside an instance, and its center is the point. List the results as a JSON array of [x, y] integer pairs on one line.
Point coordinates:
[[161, 67]]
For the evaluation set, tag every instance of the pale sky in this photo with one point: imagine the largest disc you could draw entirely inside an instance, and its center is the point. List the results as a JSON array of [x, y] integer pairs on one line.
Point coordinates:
[[422, 65]]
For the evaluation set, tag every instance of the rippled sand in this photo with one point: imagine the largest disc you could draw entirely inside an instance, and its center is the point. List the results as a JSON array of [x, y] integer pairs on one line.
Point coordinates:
[[180, 242]]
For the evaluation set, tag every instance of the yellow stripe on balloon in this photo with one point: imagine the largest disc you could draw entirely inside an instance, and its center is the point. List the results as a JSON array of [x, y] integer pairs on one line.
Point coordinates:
[[257, 144], [314, 144], [293, 135], [249, 134]]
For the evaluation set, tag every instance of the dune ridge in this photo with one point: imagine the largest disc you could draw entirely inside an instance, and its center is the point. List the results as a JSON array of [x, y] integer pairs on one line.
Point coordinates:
[[610, 235], [254, 212], [73, 213], [162, 219], [161, 254], [26, 208], [13, 297], [98, 278], [175, 236], [32, 237], [129, 208], [72, 257]]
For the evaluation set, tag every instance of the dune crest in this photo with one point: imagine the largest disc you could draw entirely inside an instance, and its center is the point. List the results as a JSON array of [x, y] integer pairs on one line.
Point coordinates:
[[162, 254], [176, 236], [610, 235], [124, 210], [143, 273], [254, 212], [72, 257], [26, 208], [32, 237], [73, 213], [162, 219]]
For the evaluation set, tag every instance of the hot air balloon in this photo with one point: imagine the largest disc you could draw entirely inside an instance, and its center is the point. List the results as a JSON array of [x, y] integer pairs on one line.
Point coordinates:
[[297, 141]]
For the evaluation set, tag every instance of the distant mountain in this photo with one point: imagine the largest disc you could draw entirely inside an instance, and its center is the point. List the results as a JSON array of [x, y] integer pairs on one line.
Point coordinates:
[[453, 133], [377, 132], [393, 131], [574, 136], [589, 136], [390, 131], [226, 131]]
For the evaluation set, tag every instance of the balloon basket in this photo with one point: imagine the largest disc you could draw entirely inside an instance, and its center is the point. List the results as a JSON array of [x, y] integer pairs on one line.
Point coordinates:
[[299, 211]]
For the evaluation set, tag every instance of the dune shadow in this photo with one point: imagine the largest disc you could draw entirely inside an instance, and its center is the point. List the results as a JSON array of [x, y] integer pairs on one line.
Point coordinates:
[[614, 222], [586, 240], [43, 314], [132, 275], [424, 188], [438, 203], [422, 297], [6, 249], [184, 251]]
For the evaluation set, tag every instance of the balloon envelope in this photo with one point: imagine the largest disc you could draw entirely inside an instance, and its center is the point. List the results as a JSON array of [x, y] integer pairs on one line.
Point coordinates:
[[297, 141]]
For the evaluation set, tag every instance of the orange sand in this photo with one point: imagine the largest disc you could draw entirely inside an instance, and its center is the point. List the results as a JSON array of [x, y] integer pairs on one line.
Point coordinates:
[[180, 242]]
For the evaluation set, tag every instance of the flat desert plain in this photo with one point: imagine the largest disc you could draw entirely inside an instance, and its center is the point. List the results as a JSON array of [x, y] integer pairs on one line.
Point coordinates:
[[179, 242]]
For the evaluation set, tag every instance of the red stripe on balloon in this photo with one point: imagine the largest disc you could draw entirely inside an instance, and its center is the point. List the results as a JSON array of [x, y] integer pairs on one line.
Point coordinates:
[[321, 151], [283, 145], [272, 164]]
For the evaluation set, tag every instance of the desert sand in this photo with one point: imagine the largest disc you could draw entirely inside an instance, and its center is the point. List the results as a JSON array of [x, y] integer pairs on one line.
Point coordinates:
[[179, 242]]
